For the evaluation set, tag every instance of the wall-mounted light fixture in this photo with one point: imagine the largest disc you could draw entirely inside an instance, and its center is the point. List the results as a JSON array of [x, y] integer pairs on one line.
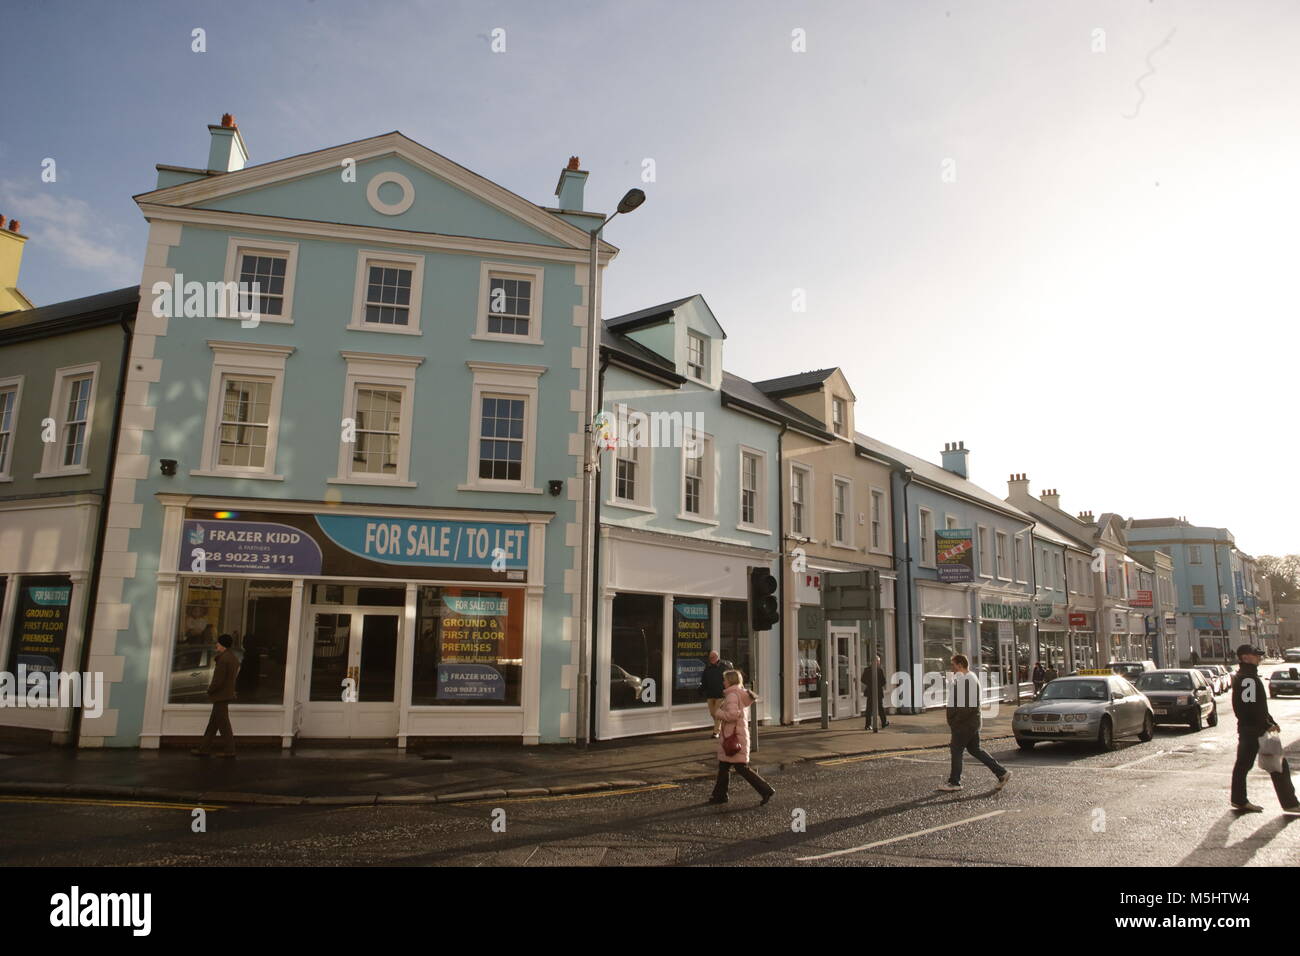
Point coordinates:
[[555, 487], [167, 466]]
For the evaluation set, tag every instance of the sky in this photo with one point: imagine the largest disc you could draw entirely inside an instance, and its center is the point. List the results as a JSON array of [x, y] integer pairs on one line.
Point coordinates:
[[1061, 232]]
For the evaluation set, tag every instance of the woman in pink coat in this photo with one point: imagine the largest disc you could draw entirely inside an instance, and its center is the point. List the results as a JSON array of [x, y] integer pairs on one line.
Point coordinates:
[[734, 714]]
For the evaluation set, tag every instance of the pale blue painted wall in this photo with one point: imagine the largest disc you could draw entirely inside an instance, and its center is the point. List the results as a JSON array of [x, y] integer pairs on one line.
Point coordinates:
[[314, 386]]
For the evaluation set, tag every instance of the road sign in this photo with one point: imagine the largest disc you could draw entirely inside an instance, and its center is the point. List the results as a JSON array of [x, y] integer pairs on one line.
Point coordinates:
[[849, 596], [812, 623]]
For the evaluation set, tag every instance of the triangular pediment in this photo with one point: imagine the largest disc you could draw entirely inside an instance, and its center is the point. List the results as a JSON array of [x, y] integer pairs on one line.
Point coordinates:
[[444, 197]]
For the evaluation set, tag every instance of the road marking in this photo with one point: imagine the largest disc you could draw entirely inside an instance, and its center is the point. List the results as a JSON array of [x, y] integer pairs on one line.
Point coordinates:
[[151, 804], [1121, 766], [570, 796], [906, 836], [836, 761]]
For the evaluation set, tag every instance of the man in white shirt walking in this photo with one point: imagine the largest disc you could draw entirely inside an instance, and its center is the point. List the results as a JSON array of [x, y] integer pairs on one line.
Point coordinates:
[[963, 713]]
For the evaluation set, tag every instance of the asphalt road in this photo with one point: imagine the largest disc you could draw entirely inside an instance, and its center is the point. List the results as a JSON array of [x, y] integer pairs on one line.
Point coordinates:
[[1162, 803]]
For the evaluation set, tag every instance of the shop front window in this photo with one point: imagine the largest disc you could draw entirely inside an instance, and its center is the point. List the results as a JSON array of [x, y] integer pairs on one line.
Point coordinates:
[[636, 652], [941, 639], [1023, 651], [1051, 651], [255, 613], [40, 628], [809, 669], [989, 646], [469, 647], [733, 637], [692, 636]]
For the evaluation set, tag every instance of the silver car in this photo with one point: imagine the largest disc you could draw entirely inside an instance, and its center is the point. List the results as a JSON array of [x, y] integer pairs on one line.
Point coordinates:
[[1093, 708]]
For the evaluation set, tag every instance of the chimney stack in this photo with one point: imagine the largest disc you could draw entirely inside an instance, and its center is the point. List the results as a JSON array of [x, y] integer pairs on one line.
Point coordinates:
[[1086, 517], [227, 152], [956, 458], [572, 183], [1018, 486], [1051, 498], [11, 259]]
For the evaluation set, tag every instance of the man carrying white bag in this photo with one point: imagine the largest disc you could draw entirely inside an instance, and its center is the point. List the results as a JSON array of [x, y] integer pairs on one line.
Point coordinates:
[[1257, 735]]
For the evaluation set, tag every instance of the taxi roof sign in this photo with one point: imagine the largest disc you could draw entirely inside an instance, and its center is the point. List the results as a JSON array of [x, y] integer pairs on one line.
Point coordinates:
[[1095, 672]]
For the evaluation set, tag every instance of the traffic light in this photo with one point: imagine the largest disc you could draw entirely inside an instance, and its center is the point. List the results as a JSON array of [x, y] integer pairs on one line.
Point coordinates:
[[763, 605]]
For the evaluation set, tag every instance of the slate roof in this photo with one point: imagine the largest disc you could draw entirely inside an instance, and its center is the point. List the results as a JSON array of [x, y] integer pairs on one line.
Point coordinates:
[[65, 316], [937, 475], [791, 384], [647, 316]]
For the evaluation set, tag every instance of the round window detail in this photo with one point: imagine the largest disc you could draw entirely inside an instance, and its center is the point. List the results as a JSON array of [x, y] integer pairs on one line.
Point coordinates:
[[390, 208]]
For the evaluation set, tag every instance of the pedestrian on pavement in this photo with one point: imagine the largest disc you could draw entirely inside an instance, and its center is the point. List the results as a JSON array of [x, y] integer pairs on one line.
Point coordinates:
[[1250, 704], [734, 714], [963, 713], [875, 673], [1196, 659], [712, 684], [221, 691], [1050, 673], [1040, 677]]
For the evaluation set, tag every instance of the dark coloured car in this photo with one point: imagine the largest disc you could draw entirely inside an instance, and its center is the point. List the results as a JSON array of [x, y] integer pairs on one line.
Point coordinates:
[[1180, 696], [1284, 682]]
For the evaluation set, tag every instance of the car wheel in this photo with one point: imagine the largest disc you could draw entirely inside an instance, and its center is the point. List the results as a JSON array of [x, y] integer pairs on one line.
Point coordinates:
[[1106, 735], [1195, 722], [1213, 719], [1025, 744], [1148, 728]]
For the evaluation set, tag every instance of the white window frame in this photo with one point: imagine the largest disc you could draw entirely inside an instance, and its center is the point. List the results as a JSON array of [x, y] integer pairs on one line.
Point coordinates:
[[836, 482], [709, 484], [249, 360], [926, 536], [378, 257], [1001, 555], [950, 522], [509, 270], [51, 466], [235, 249], [982, 544], [643, 456], [808, 512], [878, 527], [1201, 602], [509, 381], [692, 336], [1194, 554], [842, 426], [14, 382], [1018, 558], [391, 372], [759, 524]]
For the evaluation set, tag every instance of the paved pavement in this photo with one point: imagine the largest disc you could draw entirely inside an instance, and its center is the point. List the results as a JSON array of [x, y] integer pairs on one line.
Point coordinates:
[[441, 773], [1161, 803]]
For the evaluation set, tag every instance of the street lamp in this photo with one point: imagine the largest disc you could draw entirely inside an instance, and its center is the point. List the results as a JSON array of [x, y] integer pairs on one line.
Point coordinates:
[[630, 201]]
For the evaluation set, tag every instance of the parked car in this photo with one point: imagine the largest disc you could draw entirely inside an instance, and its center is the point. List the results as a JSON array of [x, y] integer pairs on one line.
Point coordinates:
[[1215, 679], [191, 674], [1130, 670], [1284, 682], [624, 688], [1180, 695], [1098, 709], [1291, 655]]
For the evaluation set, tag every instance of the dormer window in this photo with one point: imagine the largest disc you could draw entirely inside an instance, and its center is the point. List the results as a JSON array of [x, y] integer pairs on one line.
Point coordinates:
[[696, 356], [839, 420]]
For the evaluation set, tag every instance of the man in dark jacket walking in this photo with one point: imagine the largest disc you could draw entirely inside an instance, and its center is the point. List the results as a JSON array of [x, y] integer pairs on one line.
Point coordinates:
[[963, 713], [875, 674], [1250, 704], [713, 686], [221, 691], [1039, 677]]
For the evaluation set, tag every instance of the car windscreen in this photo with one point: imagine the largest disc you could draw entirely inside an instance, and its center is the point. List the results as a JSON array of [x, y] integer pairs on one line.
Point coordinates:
[[1292, 674], [1154, 680], [1075, 690]]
